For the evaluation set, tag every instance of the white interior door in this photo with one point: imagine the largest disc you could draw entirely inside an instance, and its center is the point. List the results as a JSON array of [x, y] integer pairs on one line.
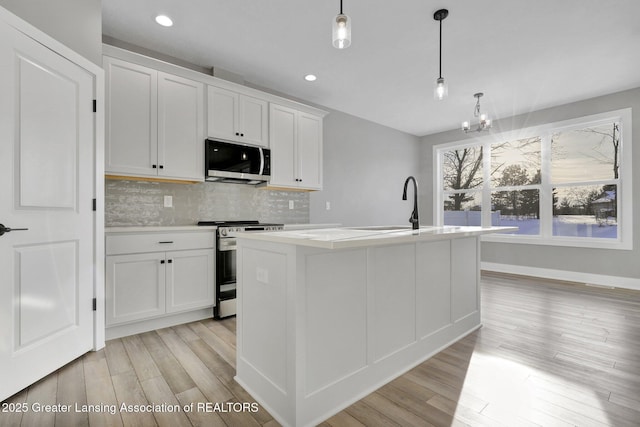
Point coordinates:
[[46, 186]]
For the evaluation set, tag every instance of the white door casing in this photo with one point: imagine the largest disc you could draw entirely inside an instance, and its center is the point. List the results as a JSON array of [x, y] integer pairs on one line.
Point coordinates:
[[46, 185]]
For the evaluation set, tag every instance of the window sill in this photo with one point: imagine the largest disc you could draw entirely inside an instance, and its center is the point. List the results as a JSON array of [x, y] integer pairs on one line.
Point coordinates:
[[578, 242]]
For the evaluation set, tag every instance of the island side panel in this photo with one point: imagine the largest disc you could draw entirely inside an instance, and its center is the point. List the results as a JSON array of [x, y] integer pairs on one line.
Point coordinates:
[[392, 296], [333, 328], [265, 347], [433, 288], [465, 283]]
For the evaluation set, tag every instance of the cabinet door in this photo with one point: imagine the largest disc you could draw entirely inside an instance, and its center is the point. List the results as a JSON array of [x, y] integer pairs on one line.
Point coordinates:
[[222, 117], [190, 279], [252, 123], [180, 127], [131, 118], [135, 287], [282, 137], [309, 146]]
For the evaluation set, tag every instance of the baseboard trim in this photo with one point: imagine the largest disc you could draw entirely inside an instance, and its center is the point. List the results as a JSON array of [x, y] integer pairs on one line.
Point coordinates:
[[133, 328], [570, 276]]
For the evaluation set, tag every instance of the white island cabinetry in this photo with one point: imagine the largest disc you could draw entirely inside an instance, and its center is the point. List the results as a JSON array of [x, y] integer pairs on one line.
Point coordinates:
[[157, 279], [327, 316]]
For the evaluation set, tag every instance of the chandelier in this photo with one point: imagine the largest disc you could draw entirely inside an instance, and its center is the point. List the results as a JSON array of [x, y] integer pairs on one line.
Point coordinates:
[[483, 120]]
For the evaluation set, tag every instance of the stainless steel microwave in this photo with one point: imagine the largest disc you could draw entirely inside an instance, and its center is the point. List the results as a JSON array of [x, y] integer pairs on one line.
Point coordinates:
[[237, 163]]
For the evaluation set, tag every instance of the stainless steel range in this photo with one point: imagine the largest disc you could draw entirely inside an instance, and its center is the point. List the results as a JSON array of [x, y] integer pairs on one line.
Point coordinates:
[[226, 261]]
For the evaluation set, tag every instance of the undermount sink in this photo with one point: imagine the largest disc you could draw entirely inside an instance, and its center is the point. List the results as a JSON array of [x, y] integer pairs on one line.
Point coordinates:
[[382, 228]]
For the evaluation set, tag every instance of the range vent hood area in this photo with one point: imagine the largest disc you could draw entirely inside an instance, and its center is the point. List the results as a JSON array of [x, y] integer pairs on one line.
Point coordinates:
[[235, 178]]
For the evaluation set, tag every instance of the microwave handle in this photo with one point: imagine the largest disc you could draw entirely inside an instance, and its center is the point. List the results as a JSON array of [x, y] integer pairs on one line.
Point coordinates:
[[261, 161]]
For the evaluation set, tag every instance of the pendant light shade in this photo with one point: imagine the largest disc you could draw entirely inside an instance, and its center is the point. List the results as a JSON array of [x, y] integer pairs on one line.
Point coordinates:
[[440, 89], [341, 30]]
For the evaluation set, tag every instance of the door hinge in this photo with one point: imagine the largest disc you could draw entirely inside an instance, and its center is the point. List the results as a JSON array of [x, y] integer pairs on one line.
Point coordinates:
[[93, 204], [95, 105], [95, 304]]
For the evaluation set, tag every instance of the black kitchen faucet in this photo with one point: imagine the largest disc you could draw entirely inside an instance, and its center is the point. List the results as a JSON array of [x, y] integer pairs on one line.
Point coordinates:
[[415, 222]]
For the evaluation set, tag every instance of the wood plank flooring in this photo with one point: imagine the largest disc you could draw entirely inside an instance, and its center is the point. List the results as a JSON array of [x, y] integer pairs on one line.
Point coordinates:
[[548, 354]]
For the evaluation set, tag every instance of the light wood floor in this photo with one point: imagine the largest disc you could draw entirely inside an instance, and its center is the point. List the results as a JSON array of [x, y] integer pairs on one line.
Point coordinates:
[[549, 354]]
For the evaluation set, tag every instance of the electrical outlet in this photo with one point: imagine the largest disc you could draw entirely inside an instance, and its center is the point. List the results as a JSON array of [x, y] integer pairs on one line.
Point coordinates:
[[291, 204], [262, 275], [327, 206], [168, 201]]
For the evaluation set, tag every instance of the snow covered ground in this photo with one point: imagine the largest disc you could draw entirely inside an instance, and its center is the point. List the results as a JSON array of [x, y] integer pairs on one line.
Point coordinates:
[[566, 225], [563, 225]]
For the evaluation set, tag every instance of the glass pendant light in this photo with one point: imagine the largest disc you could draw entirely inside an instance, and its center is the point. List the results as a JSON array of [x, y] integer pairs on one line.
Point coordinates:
[[341, 30], [440, 90]]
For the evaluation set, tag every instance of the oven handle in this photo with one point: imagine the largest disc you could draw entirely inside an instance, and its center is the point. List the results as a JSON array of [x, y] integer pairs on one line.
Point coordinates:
[[226, 245]]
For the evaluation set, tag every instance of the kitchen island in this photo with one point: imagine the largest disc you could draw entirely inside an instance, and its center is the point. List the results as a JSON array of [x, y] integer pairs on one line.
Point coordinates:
[[327, 316]]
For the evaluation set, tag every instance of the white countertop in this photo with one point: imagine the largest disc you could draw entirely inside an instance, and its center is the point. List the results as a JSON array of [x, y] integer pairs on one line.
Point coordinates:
[[288, 227], [165, 228], [156, 228], [354, 237]]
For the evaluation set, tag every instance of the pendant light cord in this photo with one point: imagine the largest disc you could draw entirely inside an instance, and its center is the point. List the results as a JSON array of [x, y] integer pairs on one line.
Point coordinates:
[[341, 8], [440, 46]]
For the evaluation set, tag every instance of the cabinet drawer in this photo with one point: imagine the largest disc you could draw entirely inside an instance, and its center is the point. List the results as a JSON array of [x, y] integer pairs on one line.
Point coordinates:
[[159, 242]]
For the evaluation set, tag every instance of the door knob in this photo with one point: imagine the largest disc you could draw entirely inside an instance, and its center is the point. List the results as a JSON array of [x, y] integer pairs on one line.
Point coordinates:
[[4, 229]]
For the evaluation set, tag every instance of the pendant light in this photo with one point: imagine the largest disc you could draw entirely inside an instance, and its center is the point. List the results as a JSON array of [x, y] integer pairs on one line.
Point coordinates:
[[440, 90], [341, 30], [483, 120]]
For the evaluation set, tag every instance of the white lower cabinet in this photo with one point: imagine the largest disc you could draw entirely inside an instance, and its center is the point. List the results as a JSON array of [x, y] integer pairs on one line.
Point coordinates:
[[135, 287], [189, 280], [145, 279]]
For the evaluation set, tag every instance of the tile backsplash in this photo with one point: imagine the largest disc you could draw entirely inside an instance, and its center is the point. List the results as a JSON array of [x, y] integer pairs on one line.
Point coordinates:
[[141, 203]]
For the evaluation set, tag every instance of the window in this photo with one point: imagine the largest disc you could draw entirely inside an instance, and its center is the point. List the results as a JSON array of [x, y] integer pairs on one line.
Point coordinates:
[[565, 183]]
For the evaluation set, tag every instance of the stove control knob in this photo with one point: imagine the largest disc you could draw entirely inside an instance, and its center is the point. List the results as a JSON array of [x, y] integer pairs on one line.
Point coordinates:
[[223, 231]]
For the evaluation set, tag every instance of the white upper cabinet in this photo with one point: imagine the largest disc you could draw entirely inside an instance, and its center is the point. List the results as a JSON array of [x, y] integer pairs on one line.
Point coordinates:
[[131, 119], [154, 123], [180, 127], [237, 117], [310, 151], [296, 148]]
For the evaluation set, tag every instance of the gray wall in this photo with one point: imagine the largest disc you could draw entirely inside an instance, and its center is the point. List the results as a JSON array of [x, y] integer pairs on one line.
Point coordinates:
[[142, 203], [75, 23], [620, 263], [365, 166]]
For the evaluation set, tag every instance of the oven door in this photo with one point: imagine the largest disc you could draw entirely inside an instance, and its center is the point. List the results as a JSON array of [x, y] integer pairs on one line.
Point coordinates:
[[226, 268]]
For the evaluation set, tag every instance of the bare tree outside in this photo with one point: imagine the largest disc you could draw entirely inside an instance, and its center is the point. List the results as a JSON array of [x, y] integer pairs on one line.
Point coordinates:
[[462, 170], [595, 149]]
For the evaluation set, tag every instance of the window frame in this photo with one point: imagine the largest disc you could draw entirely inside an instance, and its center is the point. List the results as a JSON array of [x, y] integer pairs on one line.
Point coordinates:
[[624, 241]]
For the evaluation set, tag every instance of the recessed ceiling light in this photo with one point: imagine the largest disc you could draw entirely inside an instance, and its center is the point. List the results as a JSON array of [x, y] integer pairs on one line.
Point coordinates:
[[164, 20], [310, 77]]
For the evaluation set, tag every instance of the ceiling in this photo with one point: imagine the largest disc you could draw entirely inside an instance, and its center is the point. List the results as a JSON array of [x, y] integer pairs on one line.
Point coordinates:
[[524, 55]]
